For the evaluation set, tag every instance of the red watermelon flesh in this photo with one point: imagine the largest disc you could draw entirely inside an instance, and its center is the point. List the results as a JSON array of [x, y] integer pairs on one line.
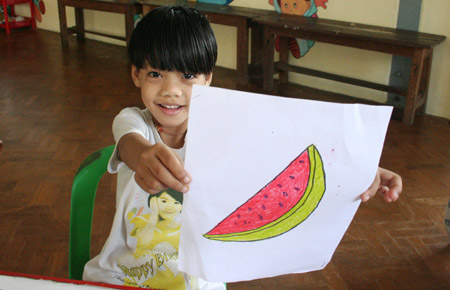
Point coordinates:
[[272, 201]]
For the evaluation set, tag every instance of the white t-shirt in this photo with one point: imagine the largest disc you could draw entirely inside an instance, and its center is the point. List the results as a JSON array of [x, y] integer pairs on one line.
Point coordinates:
[[142, 248]]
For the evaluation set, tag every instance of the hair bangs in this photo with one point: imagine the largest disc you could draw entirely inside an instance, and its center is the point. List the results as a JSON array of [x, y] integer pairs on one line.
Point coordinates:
[[180, 39]]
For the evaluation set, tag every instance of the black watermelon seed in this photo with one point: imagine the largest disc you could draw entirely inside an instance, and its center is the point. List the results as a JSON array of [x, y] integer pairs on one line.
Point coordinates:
[[249, 209], [245, 222], [297, 188], [279, 185], [239, 216], [285, 193], [263, 206], [280, 204], [265, 196], [260, 217], [291, 177], [302, 161]]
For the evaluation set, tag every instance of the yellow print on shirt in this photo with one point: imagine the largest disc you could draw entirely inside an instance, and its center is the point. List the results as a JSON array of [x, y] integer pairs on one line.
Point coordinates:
[[137, 272], [154, 262]]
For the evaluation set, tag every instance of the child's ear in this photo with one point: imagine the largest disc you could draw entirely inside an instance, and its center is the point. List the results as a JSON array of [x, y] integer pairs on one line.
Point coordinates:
[[208, 79], [135, 76]]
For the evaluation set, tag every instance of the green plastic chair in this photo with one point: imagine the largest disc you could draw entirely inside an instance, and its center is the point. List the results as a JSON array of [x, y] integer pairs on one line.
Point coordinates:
[[84, 188]]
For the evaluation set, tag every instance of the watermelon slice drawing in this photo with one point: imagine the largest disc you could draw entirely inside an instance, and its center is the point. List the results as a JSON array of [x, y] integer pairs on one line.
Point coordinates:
[[278, 207]]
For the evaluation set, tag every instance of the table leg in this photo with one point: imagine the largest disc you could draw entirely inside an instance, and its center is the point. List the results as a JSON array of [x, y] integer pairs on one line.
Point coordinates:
[[415, 76], [268, 55], [63, 23]]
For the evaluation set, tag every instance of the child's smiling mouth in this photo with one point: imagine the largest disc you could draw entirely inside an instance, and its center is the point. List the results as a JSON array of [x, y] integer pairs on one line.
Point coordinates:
[[170, 109]]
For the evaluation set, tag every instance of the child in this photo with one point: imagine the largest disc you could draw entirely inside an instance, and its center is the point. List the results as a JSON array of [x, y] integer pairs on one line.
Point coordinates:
[[171, 49]]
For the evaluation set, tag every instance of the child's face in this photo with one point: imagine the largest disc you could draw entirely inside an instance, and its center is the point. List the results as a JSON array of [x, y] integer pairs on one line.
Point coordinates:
[[167, 94], [168, 207]]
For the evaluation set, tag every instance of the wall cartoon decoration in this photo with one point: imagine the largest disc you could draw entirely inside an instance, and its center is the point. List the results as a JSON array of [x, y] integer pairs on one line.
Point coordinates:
[[308, 8], [39, 9]]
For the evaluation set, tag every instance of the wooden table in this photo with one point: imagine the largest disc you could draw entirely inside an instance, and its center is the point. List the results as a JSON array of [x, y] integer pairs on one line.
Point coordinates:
[[416, 45], [127, 7], [239, 17]]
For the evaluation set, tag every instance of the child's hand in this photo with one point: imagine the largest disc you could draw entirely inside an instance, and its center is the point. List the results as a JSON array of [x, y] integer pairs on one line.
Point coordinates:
[[387, 183], [156, 166], [160, 168]]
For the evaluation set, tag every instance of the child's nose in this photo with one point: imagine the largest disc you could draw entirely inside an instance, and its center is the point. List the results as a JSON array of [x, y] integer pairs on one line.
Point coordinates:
[[171, 88]]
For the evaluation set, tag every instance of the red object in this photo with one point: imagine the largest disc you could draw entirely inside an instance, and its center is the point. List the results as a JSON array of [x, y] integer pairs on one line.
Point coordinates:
[[42, 7], [37, 13], [63, 280], [27, 21]]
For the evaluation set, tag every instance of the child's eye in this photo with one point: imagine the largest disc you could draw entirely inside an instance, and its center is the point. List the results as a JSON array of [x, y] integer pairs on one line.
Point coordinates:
[[154, 74], [188, 76]]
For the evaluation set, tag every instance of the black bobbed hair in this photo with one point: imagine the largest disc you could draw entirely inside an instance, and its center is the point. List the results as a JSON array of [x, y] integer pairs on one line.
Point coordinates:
[[178, 196], [174, 38]]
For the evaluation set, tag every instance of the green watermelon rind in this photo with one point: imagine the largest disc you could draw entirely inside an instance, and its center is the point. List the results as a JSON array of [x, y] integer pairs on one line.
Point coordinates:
[[292, 218]]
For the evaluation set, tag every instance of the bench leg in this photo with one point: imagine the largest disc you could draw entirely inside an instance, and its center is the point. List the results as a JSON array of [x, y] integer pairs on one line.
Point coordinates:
[[129, 23], [425, 81], [63, 24], [267, 64], [415, 77], [79, 23], [284, 58], [256, 50], [242, 51]]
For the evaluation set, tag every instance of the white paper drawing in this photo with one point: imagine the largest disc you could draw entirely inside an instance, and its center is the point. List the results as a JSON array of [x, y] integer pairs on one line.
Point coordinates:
[[276, 181]]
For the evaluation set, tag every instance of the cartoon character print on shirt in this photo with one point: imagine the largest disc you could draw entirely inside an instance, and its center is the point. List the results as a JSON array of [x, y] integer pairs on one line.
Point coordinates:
[[308, 8], [156, 232]]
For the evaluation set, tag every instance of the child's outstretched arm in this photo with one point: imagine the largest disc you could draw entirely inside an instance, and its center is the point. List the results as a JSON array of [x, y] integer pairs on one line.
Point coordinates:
[[156, 166], [387, 183]]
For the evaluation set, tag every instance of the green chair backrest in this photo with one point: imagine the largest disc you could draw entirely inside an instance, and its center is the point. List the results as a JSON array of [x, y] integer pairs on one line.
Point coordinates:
[[82, 208]]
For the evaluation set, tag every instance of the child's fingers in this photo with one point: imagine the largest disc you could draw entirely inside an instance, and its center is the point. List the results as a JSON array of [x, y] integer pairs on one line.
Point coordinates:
[[384, 190], [393, 182], [150, 185], [391, 194], [164, 176], [372, 190], [172, 173]]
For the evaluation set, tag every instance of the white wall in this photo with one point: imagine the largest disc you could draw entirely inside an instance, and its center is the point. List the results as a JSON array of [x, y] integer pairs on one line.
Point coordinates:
[[435, 19], [350, 62]]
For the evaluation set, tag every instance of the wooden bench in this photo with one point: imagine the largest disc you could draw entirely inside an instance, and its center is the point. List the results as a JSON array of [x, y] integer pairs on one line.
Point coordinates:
[[239, 17], [416, 45], [127, 7]]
